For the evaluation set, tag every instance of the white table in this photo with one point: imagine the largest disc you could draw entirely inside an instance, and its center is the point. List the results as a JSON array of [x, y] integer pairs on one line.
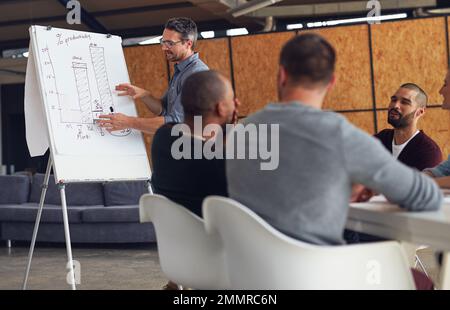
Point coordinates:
[[386, 220]]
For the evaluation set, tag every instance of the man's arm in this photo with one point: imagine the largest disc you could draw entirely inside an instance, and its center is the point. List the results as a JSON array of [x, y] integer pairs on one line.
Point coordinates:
[[154, 104], [442, 170], [119, 121], [443, 182], [370, 164]]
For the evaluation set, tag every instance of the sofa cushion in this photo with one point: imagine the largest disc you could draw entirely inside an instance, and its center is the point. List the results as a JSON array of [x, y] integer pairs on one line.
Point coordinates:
[[112, 214], [14, 189], [124, 193], [77, 194], [27, 213]]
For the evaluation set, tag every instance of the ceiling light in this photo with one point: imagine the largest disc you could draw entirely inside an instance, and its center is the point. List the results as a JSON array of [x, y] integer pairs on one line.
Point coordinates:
[[294, 26], [207, 34], [237, 32], [151, 40]]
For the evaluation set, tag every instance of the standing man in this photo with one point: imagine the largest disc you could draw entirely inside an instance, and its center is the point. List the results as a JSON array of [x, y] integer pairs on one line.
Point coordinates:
[[177, 42], [406, 143]]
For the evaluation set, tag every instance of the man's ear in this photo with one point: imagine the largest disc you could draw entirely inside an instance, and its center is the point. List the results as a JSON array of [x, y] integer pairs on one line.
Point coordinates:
[[190, 44], [282, 76], [221, 109], [332, 83], [420, 112]]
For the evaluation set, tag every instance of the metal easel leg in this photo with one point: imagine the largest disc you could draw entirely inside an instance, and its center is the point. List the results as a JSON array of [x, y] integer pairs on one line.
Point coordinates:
[[149, 187], [62, 187], [38, 220]]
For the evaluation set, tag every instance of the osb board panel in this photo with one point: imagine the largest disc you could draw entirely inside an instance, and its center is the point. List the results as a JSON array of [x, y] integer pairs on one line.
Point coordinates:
[[409, 51], [255, 64], [215, 53], [435, 123], [353, 89], [382, 120], [448, 32], [362, 120], [147, 68]]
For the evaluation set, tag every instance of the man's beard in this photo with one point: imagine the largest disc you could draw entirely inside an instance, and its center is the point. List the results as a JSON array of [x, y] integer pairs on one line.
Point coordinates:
[[171, 57], [402, 121]]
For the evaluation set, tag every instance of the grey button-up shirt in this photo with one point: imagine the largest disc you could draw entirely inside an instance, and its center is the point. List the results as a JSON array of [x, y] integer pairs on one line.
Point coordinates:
[[171, 101]]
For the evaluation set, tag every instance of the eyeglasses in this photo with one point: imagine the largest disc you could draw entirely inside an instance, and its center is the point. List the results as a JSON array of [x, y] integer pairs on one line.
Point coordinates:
[[168, 43]]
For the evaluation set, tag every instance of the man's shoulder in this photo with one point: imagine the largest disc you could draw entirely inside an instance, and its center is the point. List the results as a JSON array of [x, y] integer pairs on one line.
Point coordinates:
[[385, 133], [197, 65], [426, 141], [200, 64], [164, 131], [295, 111], [385, 136]]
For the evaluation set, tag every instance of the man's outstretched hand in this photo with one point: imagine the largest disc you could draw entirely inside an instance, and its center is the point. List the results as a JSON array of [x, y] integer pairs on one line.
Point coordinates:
[[126, 89], [114, 122]]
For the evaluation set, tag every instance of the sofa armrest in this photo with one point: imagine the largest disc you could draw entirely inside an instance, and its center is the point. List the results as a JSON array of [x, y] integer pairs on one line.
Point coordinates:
[[14, 189]]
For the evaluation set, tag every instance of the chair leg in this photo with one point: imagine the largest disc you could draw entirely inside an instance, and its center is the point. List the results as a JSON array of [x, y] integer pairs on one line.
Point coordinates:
[[419, 262], [8, 244]]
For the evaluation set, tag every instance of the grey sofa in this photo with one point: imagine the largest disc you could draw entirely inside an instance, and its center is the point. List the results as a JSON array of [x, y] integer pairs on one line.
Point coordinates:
[[97, 212]]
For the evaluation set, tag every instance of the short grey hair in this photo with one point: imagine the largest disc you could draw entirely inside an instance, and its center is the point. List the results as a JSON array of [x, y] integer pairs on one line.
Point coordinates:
[[184, 26]]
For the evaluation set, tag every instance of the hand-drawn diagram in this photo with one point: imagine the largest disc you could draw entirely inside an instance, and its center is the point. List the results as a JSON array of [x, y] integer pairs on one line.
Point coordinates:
[[83, 113], [101, 77], [84, 92]]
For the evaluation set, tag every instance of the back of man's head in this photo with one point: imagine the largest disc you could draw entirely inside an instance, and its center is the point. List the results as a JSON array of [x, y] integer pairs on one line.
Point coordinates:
[[309, 60], [201, 92], [421, 98]]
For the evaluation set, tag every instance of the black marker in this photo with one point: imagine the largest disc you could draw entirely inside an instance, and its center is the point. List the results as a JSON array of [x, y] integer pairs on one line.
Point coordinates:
[[111, 109]]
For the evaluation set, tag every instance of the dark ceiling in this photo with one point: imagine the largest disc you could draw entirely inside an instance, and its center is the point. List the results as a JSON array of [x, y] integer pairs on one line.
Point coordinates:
[[137, 18]]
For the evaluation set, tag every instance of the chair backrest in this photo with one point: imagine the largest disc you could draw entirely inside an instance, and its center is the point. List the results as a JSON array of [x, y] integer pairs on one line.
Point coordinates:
[[260, 257], [188, 256]]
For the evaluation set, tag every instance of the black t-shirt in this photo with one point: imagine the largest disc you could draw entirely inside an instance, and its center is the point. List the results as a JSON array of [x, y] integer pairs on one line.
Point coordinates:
[[185, 181]]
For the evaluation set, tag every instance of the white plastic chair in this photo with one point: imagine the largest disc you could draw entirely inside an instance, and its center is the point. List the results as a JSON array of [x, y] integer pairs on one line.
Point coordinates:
[[188, 256], [418, 262], [260, 257]]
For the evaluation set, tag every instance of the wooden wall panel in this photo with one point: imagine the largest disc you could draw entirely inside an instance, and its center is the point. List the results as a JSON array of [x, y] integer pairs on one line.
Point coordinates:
[[409, 51], [447, 19], [362, 120], [435, 123], [147, 68], [255, 61], [382, 120], [215, 53], [353, 89]]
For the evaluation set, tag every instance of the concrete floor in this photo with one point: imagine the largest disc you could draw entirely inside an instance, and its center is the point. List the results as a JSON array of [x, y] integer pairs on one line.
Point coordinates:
[[131, 267], [126, 267]]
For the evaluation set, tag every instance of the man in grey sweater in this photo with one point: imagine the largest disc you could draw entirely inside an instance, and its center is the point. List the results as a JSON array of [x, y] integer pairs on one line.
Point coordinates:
[[320, 156]]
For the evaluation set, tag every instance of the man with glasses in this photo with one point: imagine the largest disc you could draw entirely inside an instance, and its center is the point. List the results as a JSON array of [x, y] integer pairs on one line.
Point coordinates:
[[177, 42]]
